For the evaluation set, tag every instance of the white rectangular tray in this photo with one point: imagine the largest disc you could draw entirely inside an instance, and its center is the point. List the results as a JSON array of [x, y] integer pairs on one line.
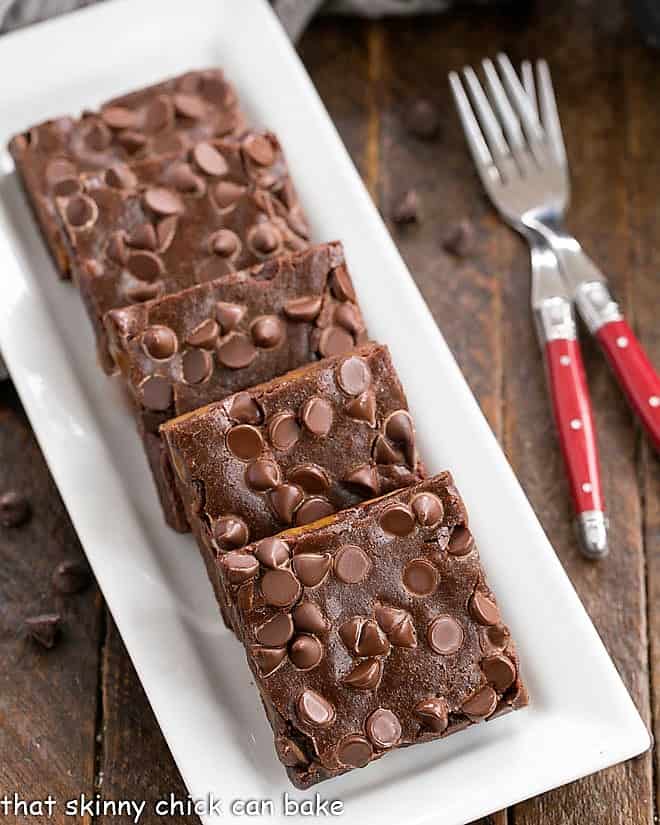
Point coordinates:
[[581, 718]]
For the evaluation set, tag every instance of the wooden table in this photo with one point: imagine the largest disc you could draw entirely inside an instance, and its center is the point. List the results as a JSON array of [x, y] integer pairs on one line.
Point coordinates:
[[76, 720]]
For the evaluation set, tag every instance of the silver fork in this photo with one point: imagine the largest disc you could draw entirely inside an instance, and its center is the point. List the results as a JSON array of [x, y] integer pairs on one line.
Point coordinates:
[[526, 176], [508, 176]]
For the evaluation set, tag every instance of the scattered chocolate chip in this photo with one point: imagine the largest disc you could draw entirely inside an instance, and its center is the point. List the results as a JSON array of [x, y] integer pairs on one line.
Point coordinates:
[[407, 208], [305, 652], [307, 617], [156, 392], [314, 709], [268, 659], [363, 408], [366, 675], [44, 629], [353, 375], [245, 442], [445, 635], [245, 410], [481, 705], [260, 149], [224, 243], [397, 625], [460, 239], [230, 532], [276, 632], [312, 568], [163, 201], [365, 477], [71, 576], [283, 431], [428, 509], [484, 610], [334, 340], [397, 520], [354, 751], [284, 500], [237, 351], [303, 309], [313, 509], [352, 564], [197, 365], [239, 567], [423, 119], [226, 194], [263, 475], [229, 315], [210, 160], [383, 728], [267, 332], [272, 553], [461, 541], [317, 416], [14, 509], [500, 671], [420, 578], [433, 713], [311, 478]]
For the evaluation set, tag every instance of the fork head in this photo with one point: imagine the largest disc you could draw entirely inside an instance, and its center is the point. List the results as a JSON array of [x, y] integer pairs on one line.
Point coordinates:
[[516, 142]]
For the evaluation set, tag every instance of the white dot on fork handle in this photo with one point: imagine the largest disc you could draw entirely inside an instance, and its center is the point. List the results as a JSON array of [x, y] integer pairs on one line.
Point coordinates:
[[586, 487], [565, 360], [576, 424], [654, 401], [622, 342]]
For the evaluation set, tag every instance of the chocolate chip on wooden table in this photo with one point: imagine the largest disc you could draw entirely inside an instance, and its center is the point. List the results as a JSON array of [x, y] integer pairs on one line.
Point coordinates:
[[14, 509], [423, 119], [460, 239], [71, 576], [44, 628], [407, 208]]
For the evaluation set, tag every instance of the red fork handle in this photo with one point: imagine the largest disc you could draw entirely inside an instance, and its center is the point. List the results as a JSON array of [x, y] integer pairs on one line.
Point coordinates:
[[635, 373], [574, 420]]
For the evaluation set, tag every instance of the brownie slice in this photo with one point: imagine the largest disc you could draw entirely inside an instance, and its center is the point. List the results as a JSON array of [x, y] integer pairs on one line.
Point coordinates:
[[207, 342], [371, 630], [138, 232], [162, 119]]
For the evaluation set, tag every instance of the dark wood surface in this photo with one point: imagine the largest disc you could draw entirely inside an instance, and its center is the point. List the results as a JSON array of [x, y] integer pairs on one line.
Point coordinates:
[[75, 719]]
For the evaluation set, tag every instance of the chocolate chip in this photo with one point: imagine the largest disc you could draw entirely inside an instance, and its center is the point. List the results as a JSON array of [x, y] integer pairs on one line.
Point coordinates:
[[276, 632], [366, 675], [461, 542], [245, 442], [226, 194], [481, 705], [165, 232], [308, 617], [312, 568], [303, 309], [143, 236], [66, 187], [224, 243], [267, 332], [239, 567], [493, 638], [311, 478], [237, 351], [119, 117], [197, 365], [352, 564], [500, 672], [445, 635], [283, 431], [483, 610], [305, 652], [156, 392], [423, 119], [354, 751], [341, 285], [363, 408], [289, 753], [210, 160], [407, 209], [383, 728], [44, 629], [334, 341], [260, 149], [116, 249], [268, 659], [460, 239], [183, 179], [384, 453], [353, 375], [98, 137], [163, 201], [347, 316], [428, 509], [141, 292], [284, 500], [204, 335], [81, 212], [263, 475], [280, 588], [365, 477], [314, 709], [131, 140], [265, 239], [159, 115], [313, 509], [14, 509], [272, 552], [228, 315], [433, 713], [120, 176], [229, 532], [316, 415], [71, 576], [146, 266], [245, 409], [189, 106], [363, 637], [420, 578], [60, 169], [397, 520], [398, 626]]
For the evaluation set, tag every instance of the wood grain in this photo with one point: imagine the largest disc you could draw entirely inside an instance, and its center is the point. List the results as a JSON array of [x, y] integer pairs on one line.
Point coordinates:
[[48, 698]]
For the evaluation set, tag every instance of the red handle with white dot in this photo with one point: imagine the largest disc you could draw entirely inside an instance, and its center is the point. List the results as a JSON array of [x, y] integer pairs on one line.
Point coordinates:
[[635, 373], [574, 420]]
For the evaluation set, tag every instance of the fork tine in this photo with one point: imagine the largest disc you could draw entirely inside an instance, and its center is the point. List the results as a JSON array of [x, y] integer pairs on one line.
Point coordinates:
[[527, 73], [549, 113], [487, 119], [480, 151], [507, 115], [520, 100]]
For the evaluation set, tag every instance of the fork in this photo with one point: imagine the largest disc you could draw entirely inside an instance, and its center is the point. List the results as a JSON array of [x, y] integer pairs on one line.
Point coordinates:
[[551, 299]]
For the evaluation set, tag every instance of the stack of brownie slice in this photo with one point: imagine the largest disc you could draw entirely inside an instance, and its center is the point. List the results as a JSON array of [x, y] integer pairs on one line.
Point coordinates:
[[274, 428]]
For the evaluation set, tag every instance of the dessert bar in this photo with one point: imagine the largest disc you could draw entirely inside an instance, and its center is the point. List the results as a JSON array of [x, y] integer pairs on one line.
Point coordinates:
[[137, 232], [162, 119], [372, 630]]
